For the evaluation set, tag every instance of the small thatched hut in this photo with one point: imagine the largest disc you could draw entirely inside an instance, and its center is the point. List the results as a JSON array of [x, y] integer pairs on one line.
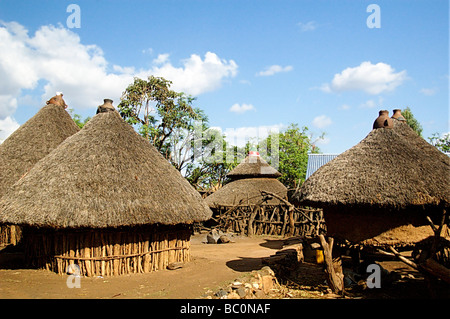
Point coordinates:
[[106, 200], [255, 202], [381, 190], [27, 145]]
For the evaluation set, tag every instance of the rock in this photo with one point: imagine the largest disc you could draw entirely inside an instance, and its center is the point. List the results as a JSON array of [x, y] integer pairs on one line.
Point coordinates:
[[223, 240], [241, 291], [267, 283], [266, 270], [259, 294], [210, 239], [175, 265], [233, 295], [213, 236], [221, 293]]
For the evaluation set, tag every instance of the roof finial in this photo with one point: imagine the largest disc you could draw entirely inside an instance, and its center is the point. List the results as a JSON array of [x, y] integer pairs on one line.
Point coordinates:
[[58, 100], [383, 120], [106, 106], [398, 115]]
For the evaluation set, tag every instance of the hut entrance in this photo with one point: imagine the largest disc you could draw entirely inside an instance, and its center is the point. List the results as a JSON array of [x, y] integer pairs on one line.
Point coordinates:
[[104, 252]]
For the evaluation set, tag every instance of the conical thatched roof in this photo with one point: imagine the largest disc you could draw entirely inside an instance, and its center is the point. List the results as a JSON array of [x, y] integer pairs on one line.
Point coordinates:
[[247, 192], [106, 175], [32, 141], [391, 167], [253, 166]]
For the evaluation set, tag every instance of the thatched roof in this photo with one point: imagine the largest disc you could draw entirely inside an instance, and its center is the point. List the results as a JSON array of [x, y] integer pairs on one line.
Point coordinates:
[[390, 167], [253, 166], [32, 141], [106, 175], [247, 192]]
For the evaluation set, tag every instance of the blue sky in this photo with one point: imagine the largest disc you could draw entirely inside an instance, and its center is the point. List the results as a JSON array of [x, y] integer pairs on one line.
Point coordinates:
[[253, 65]]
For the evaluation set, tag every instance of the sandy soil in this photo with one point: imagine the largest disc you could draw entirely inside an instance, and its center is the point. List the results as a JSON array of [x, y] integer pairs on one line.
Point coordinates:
[[211, 267]]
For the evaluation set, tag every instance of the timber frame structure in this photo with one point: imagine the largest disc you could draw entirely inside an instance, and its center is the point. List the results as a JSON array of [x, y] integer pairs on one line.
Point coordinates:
[[107, 252], [283, 219]]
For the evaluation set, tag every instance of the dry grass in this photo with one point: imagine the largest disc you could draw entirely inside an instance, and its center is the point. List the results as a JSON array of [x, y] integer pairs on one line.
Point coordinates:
[[106, 175]]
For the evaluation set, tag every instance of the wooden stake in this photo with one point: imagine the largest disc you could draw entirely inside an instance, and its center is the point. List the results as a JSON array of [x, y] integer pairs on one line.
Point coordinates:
[[335, 280]]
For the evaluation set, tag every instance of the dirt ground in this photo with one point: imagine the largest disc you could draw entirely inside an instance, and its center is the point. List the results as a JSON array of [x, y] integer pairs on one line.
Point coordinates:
[[211, 267]]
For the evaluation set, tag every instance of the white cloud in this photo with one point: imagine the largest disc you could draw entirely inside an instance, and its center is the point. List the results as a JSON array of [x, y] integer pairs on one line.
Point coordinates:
[[428, 91], [367, 77], [8, 105], [147, 51], [322, 121], [369, 104], [241, 135], [241, 108], [56, 58], [345, 107], [309, 26], [161, 59], [273, 69], [196, 76], [7, 126]]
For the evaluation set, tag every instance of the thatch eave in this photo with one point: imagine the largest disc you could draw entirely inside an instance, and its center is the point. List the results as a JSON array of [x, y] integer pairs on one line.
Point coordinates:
[[245, 192], [32, 141], [386, 170], [104, 176]]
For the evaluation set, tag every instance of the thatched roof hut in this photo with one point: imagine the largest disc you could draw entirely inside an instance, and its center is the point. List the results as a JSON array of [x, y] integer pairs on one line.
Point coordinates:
[[106, 180], [255, 201], [380, 186], [253, 166], [247, 191], [249, 178], [32, 141], [27, 145]]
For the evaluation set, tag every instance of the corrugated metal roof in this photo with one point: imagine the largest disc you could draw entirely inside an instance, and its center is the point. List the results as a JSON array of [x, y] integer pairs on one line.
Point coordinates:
[[317, 160]]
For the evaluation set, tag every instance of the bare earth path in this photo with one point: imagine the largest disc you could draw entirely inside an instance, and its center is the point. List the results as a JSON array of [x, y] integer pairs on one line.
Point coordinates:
[[211, 267]]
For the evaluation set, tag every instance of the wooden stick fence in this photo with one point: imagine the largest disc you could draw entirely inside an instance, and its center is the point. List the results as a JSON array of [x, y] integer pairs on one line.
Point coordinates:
[[106, 252], [10, 235], [270, 220]]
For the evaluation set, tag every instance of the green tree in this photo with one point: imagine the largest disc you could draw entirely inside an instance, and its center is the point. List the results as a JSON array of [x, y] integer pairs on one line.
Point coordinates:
[[165, 117], [441, 142], [77, 119], [294, 144], [412, 121], [216, 159]]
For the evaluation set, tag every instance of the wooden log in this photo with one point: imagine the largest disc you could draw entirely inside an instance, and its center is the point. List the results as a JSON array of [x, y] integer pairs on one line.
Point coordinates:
[[291, 221], [434, 268], [251, 230], [335, 279], [87, 253]]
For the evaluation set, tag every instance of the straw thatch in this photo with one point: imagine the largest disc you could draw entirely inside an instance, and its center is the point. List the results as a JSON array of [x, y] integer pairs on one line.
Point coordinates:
[[256, 203], [32, 141], [245, 192], [105, 200], [377, 191], [387, 169], [253, 166], [26, 146], [106, 175]]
